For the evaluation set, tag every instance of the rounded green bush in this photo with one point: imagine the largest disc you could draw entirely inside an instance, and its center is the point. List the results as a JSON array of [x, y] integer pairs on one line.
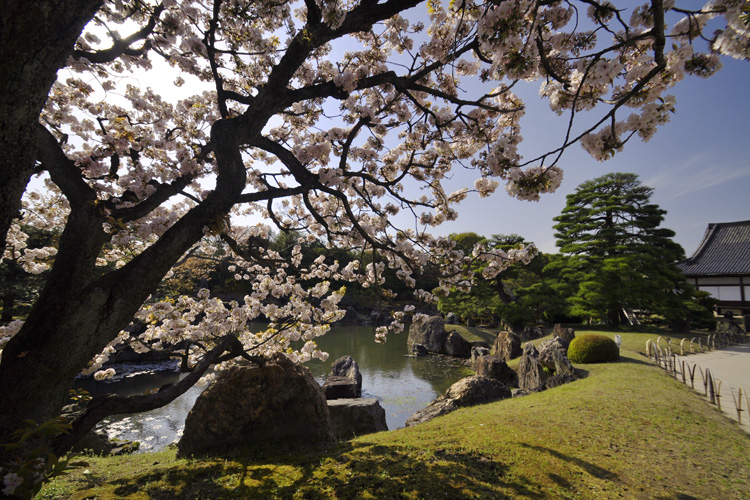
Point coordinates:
[[593, 349]]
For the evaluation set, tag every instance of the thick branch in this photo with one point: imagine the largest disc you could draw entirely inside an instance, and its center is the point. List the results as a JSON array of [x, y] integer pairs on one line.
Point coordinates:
[[163, 193], [62, 170], [103, 406], [122, 46]]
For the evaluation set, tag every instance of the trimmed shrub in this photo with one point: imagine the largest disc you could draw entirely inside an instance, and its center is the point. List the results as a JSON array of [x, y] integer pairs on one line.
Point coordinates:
[[593, 349]]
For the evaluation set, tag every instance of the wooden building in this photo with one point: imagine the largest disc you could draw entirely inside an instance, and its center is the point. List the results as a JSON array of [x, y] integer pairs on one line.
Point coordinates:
[[721, 266]]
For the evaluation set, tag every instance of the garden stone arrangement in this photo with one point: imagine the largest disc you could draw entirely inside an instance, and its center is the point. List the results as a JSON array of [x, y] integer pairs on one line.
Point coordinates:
[[251, 403], [538, 370], [279, 400]]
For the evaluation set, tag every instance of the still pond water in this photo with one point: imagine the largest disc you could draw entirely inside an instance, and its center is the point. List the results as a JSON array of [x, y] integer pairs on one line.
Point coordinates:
[[401, 383]]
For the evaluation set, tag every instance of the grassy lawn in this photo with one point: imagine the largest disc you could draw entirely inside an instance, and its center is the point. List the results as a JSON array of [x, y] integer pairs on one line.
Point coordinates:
[[474, 334], [628, 430]]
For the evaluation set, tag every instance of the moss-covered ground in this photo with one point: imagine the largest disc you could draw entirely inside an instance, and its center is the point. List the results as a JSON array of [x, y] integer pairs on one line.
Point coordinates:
[[628, 430]]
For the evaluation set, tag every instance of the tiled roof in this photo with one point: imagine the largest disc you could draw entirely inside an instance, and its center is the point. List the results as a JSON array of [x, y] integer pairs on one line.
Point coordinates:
[[725, 250]]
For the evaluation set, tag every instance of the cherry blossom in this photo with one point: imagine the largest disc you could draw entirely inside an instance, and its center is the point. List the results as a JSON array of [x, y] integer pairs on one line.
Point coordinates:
[[327, 117]]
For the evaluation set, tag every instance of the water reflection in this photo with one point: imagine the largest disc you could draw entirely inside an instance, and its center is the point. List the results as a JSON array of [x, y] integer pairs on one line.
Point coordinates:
[[401, 383]]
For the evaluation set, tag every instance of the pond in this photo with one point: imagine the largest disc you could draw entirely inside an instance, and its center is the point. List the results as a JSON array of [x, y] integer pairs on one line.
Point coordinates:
[[401, 383]]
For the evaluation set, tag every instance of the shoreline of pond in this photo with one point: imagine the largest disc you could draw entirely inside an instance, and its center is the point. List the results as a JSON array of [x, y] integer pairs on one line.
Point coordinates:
[[401, 383]]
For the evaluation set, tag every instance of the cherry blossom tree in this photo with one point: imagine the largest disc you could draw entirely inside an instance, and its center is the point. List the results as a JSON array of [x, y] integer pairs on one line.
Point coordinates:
[[331, 117]]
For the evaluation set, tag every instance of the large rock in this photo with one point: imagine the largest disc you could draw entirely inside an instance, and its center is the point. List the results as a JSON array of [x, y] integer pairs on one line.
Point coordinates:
[[351, 315], [507, 346], [563, 366], [419, 350], [477, 351], [559, 379], [565, 334], [249, 404], [430, 333], [354, 417], [530, 372], [564, 371], [435, 409], [530, 333], [97, 443], [456, 345], [93, 443], [375, 317], [496, 368], [451, 319], [546, 349], [336, 387], [345, 366], [468, 391]]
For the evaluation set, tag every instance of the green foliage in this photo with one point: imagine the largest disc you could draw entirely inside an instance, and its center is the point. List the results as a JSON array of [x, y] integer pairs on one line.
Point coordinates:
[[466, 241], [30, 461], [500, 297], [547, 296], [593, 348], [699, 309], [18, 288], [616, 254]]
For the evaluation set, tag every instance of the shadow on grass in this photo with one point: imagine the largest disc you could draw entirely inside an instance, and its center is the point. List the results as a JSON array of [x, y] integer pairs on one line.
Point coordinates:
[[347, 470], [592, 469], [677, 496], [623, 329], [635, 361]]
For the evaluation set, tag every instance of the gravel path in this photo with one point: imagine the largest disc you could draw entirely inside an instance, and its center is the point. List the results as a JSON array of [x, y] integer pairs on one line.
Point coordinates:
[[731, 365]]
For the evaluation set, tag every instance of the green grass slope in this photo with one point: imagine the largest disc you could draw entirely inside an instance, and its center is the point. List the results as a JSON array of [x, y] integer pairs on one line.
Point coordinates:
[[474, 334], [628, 430]]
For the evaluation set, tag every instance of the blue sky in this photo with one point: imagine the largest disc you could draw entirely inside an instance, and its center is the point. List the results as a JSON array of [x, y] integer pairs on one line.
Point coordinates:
[[698, 165]]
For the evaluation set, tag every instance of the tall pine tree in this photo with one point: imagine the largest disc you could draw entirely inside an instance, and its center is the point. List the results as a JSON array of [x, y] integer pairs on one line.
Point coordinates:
[[617, 252]]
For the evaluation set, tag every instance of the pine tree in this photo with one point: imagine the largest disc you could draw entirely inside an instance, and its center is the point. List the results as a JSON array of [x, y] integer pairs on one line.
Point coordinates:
[[617, 252]]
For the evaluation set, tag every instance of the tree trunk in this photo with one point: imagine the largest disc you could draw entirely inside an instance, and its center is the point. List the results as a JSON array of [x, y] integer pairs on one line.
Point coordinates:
[[78, 314], [613, 317], [9, 300], [502, 293], [35, 40]]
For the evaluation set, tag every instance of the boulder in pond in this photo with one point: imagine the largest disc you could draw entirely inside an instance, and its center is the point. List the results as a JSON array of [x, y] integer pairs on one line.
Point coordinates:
[[429, 332], [345, 366], [249, 403], [355, 417], [337, 387], [419, 350], [468, 391], [507, 346], [351, 315]]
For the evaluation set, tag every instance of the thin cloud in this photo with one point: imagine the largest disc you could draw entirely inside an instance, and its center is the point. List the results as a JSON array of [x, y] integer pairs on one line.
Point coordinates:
[[696, 174]]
